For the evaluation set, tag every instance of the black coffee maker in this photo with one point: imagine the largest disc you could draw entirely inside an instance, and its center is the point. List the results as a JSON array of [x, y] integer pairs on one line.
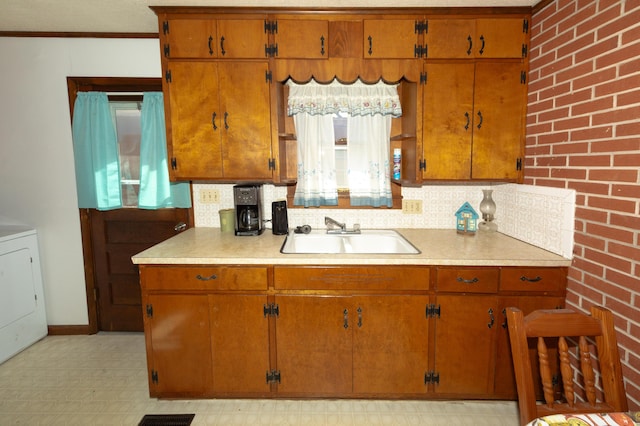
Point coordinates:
[[248, 203]]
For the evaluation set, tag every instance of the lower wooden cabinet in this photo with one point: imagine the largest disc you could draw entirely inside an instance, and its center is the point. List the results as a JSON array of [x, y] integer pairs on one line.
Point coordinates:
[[411, 332]]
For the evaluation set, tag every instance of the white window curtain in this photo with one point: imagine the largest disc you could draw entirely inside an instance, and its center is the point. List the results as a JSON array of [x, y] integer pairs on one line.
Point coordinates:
[[370, 108]]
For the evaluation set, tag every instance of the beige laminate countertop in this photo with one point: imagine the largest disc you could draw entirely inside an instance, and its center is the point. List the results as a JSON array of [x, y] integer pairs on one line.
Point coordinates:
[[209, 246]]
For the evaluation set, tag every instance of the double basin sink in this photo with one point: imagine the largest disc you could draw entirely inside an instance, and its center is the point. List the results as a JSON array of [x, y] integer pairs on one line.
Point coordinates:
[[368, 241]]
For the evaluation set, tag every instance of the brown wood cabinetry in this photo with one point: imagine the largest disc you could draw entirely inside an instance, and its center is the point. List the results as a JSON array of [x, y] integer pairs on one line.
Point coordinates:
[[301, 38], [220, 120], [337, 331], [476, 38], [473, 121], [391, 39]]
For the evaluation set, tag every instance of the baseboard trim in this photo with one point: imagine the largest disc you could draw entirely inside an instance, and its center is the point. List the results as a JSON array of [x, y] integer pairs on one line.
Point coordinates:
[[62, 330]]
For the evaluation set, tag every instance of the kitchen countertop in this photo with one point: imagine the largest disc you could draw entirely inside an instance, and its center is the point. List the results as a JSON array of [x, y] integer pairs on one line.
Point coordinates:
[[210, 246]]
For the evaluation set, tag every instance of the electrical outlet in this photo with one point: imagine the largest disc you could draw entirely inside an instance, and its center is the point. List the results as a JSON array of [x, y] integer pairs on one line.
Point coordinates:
[[412, 206], [209, 196]]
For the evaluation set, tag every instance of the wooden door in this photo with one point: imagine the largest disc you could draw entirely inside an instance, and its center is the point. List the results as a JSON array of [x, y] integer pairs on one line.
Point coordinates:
[[314, 345], [390, 345], [246, 120], [390, 38], [240, 344], [302, 38], [116, 235], [448, 120], [464, 344], [179, 345], [450, 38], [241, 38], [190, 38], [499, 119], [195, 123], [500, 37]]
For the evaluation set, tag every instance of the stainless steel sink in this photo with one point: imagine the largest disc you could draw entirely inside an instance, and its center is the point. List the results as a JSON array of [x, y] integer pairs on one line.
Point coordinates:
[[368, 241]]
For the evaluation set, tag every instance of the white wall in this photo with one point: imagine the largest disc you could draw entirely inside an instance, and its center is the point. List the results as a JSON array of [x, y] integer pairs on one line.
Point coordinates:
[[37, 180]]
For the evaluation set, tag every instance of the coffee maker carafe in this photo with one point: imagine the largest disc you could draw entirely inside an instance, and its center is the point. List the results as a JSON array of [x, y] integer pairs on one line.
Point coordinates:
[[248, 203]]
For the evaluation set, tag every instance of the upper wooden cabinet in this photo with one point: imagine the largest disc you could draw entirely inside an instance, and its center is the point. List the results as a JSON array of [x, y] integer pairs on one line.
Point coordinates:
[[219, 119], [300, 38], [391, 38], [476, 38], [213, 38]]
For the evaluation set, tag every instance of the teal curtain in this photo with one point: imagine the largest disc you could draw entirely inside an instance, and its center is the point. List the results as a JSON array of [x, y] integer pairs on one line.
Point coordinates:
[[95, 147], [155, 189]]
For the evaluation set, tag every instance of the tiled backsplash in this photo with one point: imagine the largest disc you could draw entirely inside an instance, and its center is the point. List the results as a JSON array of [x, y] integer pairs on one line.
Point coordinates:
[[542, 216]]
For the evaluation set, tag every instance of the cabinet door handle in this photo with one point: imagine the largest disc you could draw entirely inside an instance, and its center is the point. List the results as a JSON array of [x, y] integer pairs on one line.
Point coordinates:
[[201, 278], [481, 119], [504, 322], [471, 281], [346, 319], [482, 46], [222, 46], [470, 40], [359, 317], [491, 318], [370, 45], [322, 45], [226, 125], [210, 47], [530, 280], [466, 126], [213, 121]]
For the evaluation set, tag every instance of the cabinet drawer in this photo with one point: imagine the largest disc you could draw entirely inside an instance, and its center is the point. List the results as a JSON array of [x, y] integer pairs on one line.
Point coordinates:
[[533, 279], [204, 278], [351, 278], [468, 280]]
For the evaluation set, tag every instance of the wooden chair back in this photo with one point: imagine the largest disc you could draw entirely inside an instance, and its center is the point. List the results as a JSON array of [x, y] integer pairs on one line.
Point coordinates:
[[544, 326]]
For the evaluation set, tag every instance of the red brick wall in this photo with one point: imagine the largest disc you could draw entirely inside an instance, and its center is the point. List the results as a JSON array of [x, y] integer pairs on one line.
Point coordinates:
[[583, 132]]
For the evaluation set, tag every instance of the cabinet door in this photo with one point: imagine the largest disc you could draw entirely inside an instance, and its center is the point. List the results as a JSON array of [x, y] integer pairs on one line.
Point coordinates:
[[505, 384], [302, 39], [245, 120], [240, 344], [499, 115], [314, 345], [501, 37], [448, 120], [450, 38], [390, 38], [390, 345], [190, 38], [178, 345], [464, 344], [194, 122], [241, 38]]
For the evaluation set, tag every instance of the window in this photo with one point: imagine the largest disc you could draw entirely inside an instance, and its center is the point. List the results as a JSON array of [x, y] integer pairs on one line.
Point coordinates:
[[126, 120]]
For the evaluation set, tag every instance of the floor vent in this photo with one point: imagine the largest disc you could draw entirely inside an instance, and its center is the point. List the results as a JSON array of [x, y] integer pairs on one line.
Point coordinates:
[[166, 420]]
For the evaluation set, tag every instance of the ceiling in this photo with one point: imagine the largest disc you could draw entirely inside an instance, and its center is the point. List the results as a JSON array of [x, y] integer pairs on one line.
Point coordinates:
[[134, 16]]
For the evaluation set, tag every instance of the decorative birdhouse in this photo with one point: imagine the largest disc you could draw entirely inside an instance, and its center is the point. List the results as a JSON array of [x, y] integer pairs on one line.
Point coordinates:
[[466, 220]]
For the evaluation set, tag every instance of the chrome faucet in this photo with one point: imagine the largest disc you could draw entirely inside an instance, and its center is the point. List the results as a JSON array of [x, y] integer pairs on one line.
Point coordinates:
[[332, 224]]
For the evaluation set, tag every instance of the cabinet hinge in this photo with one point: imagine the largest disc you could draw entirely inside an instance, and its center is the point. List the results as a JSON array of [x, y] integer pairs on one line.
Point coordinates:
[[165, 27], [273, 376], [166, 50], [423, 77], [270, 27], [149, 310], [271, 309], [268, 77], [525, 26], [271, 50], [422, 27], [154, 376], [519, 164], [423, 165], [419, 51], [174, 163], [524, 50], [523, 77], [167, 76], [272, 164], [432, 311], [431, 377]]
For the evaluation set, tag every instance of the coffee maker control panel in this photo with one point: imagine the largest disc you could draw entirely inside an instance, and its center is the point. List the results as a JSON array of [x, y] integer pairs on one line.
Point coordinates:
[[246, 196]]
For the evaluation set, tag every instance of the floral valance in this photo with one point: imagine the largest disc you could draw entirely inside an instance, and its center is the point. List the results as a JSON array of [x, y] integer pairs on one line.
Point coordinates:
[[356, 99]]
